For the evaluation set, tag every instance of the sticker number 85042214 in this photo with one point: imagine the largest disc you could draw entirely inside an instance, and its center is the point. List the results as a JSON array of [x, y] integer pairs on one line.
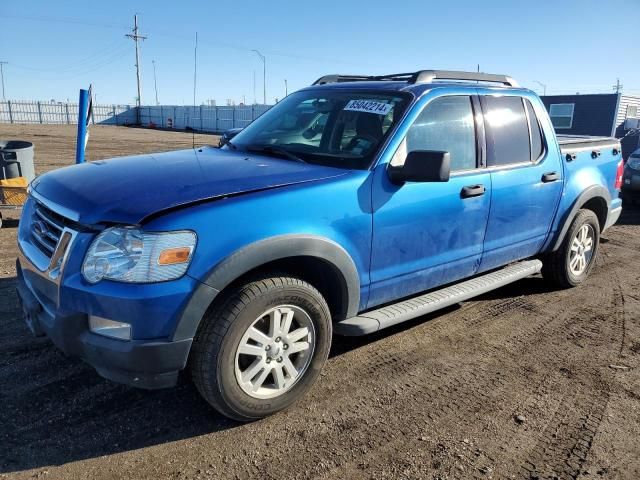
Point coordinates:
[[369, 106]]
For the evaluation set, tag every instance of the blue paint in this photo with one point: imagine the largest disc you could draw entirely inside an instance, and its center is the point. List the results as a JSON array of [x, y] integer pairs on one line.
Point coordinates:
[[403, 239], [83, 109]]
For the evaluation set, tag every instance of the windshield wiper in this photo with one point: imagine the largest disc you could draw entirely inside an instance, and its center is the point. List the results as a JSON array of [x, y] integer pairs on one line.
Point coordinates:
[[233, 147], [270, 149]]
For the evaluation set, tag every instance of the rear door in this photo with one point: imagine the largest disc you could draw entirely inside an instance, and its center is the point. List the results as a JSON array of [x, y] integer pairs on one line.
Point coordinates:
[[526, 180], [429, 234]]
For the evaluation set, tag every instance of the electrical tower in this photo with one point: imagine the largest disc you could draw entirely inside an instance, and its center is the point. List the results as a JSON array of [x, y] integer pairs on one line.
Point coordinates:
[[135, 37], [618, 86]]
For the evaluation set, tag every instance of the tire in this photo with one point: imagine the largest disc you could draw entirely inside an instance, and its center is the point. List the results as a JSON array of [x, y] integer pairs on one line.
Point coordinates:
[[557, 266], [217, 363]]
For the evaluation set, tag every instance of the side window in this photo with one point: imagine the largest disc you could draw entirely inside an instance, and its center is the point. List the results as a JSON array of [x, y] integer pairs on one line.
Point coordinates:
[[447, 125], [507, 130], [537, 145]]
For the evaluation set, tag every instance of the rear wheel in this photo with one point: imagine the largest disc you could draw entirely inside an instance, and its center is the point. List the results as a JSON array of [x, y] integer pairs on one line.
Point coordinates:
[[262, 347], [571, 263]]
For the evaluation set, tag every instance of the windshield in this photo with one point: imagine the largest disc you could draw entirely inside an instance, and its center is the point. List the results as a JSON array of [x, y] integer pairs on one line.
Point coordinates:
[[337, 128]]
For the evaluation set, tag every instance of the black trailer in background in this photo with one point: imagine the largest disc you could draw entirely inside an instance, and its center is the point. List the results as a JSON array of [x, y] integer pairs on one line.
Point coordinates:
[[606, 115]]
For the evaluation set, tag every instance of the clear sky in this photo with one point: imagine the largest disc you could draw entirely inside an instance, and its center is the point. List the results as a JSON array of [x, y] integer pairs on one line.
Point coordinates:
[[53, 48]]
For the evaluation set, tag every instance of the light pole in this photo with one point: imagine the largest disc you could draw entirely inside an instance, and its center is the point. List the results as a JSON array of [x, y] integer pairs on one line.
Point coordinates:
[[264, 76], [155, 82], [544, 87], [254, 87], [2, 76], [286, 89]]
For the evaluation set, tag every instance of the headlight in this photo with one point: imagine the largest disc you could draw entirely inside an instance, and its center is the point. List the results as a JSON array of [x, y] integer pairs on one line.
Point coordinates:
[[634, 163], [131, 255]]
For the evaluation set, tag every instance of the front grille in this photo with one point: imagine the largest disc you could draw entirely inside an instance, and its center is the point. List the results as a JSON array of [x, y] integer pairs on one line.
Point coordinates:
[[46, 229]]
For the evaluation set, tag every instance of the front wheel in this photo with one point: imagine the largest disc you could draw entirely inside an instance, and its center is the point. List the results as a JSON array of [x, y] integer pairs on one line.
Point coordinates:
[[262, 347], [571, 263]]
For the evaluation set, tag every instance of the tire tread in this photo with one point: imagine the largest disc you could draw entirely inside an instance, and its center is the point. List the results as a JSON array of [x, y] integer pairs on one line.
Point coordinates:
[[215, 325]]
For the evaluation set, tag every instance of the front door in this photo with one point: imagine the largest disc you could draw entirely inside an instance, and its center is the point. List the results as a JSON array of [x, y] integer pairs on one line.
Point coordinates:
[[429, 234]]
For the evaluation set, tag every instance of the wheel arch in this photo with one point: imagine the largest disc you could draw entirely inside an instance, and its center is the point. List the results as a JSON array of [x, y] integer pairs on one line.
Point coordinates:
[[321, 261], [595, 198]]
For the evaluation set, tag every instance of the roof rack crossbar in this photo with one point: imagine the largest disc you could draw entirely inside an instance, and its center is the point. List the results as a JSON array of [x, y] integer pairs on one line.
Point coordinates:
[[428, 76], [422, 76], [341, 78]]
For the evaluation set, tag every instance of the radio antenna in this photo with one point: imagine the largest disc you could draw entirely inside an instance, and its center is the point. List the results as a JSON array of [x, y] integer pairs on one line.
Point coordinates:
[[195, 76]]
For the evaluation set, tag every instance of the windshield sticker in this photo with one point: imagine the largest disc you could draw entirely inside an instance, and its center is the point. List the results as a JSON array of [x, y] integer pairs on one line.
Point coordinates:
[[369, 106]]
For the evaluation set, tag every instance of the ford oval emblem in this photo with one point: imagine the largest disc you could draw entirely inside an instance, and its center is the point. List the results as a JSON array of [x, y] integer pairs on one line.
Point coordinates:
[[39, 228]]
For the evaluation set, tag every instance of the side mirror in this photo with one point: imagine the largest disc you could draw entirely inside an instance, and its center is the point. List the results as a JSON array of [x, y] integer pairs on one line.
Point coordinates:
[[422, 166]]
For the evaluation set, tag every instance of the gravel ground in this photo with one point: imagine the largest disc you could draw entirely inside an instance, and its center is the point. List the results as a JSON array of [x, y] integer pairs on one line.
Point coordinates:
[[525, 382]]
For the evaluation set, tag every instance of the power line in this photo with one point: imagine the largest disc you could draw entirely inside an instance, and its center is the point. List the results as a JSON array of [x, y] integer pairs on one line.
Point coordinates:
[[86, 64], [135, 37]]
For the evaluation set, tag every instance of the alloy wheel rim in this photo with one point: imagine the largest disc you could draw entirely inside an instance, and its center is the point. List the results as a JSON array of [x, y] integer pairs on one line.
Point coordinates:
[[275, 352], [581, 250]]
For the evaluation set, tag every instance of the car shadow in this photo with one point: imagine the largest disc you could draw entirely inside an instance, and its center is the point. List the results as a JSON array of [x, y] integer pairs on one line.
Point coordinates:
[[630, 214], [528, 286], [56, 409]]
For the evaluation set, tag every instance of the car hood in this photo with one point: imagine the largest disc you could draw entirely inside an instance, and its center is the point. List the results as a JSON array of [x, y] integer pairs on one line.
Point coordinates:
[[127, 190]]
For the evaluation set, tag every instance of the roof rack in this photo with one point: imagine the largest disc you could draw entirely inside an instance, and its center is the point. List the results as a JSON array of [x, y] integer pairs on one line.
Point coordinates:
[[422, 76]]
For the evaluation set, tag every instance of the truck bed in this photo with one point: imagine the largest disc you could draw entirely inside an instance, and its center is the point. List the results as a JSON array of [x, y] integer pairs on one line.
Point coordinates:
[[572, 143]]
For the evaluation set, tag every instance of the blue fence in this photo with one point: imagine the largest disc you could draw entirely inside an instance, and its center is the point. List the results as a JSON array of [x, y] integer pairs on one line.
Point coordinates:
[[203, 118]]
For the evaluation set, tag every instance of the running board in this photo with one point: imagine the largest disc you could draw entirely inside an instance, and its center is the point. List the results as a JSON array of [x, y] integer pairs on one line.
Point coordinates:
[[374, 320]]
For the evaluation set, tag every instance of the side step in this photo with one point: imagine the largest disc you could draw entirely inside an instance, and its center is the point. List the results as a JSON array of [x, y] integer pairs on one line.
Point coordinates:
[[374, 320]]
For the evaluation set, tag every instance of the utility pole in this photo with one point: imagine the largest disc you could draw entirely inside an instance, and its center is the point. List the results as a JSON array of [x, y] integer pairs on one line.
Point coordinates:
[[155, 82], [264, 76], [544, 87], [2, 75], [254, 88], [286, 88], [618, 87], [135, 37]]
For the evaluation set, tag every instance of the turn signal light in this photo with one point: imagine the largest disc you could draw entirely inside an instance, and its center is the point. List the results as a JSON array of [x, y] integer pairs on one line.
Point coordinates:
[[172, 256]]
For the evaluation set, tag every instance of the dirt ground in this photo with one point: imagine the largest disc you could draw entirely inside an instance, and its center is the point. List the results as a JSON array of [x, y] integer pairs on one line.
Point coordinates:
[[525, 383]]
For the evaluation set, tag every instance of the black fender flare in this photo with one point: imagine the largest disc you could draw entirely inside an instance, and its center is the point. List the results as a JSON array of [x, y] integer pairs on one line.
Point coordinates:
[[260, 253], [594, 191]]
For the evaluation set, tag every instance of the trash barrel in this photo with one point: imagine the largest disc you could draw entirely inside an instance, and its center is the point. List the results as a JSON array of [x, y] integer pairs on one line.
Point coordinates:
[[16, 160]]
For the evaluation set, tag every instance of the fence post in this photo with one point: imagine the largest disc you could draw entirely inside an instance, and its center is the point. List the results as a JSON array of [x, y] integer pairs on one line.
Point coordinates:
[[216, 110], [39, 113], [10, 114], [115, 118], [201, 124], [66, 108]]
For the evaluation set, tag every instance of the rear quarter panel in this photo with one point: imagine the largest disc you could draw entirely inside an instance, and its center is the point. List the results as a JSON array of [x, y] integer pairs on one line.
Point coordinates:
[[583, 173]]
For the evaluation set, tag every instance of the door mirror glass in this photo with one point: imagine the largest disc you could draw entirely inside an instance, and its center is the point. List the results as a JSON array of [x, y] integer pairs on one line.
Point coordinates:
[[422, 166]]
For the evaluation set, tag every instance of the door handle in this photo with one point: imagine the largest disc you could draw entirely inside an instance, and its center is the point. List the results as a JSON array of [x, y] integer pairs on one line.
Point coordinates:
[[550, 177], [472, 191]]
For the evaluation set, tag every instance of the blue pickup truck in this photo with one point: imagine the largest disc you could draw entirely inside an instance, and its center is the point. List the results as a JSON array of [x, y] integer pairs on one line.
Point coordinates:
[[352, 205]]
